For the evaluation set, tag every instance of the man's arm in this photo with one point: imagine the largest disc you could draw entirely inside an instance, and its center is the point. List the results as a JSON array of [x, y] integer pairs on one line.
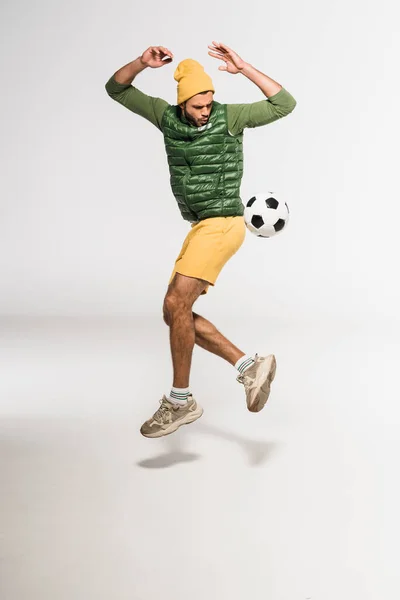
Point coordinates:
[[127, 73], [280, 103], [257, 114], [268, 86], [119, 86]]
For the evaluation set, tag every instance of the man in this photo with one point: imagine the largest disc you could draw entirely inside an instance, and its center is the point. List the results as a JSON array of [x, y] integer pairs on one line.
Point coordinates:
[[203, 141]]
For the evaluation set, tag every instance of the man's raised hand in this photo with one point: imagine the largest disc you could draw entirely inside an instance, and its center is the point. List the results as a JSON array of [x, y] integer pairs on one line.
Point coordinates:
[[233, 63], [156, 56]]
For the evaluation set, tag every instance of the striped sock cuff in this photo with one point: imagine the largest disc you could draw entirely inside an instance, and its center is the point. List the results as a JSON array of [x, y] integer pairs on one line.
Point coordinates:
[[179, 395], [244, 363]]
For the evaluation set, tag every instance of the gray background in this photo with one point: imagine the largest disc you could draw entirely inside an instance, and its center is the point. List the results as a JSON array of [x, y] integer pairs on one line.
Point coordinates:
[[300, 501]]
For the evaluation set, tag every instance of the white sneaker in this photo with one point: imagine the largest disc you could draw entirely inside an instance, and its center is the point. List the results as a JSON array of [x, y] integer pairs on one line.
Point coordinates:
[[257, 381], [170, 416]]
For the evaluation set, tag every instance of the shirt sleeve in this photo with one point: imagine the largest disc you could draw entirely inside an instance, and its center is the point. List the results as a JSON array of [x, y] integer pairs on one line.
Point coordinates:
[[259, 113], [141, 104]]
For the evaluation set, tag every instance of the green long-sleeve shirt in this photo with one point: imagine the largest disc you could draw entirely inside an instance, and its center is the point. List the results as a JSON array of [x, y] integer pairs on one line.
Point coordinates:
[[254, 114]]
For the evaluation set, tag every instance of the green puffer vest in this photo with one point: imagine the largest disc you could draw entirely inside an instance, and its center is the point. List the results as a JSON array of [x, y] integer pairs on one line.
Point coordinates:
[[205, 164]]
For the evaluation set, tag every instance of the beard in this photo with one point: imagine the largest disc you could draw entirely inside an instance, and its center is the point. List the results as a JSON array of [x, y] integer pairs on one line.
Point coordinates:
[[189, 118]]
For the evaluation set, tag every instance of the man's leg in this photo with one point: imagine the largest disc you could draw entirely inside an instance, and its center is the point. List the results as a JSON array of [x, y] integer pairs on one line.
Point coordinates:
[[180, 408], [178, 302], [188, 328], [209, 338]]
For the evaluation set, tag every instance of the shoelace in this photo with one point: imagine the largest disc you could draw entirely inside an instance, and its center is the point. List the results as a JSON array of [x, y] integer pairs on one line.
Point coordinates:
[[163, 413], [246, 379], [242, 378], [248, 382]]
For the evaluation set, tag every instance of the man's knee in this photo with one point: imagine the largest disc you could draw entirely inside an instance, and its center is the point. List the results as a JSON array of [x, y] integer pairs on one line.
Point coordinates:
[[166, 317], [174, 304], [166, 313]]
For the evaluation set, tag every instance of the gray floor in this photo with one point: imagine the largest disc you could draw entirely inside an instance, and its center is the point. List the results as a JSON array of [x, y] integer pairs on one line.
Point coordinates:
[[297, 502]]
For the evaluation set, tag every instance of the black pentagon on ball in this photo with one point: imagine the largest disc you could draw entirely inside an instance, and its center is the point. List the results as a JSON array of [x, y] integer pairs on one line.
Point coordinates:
[[279, 225], [257, 221], [251, 201], [287, 207], [271, 202]]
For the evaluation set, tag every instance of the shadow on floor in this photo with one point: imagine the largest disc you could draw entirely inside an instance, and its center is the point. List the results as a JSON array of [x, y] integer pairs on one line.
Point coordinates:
[[169, 459], [257, 452], [174, 455]]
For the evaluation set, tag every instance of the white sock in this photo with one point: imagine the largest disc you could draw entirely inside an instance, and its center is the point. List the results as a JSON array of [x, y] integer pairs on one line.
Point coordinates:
[[244, 363], [179, 395]]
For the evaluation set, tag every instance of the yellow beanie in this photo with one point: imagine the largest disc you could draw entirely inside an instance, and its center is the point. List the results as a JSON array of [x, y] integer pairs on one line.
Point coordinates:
[[191, 79]]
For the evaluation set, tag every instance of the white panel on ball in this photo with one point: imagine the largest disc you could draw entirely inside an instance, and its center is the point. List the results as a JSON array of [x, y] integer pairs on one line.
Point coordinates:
[[265, 215]]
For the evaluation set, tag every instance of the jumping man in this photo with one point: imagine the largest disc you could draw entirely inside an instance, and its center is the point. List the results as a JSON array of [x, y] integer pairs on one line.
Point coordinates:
[[204, 145]]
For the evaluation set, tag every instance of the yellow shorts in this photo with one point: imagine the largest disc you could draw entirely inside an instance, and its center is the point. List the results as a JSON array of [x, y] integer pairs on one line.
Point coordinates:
[[208, 247]]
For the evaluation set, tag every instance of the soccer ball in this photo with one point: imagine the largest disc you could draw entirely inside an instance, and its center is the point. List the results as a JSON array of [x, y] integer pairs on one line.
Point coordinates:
[[265, 215]]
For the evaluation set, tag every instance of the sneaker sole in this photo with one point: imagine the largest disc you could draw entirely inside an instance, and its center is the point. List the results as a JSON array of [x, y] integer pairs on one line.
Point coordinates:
[[266, 377], [193, 416]]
